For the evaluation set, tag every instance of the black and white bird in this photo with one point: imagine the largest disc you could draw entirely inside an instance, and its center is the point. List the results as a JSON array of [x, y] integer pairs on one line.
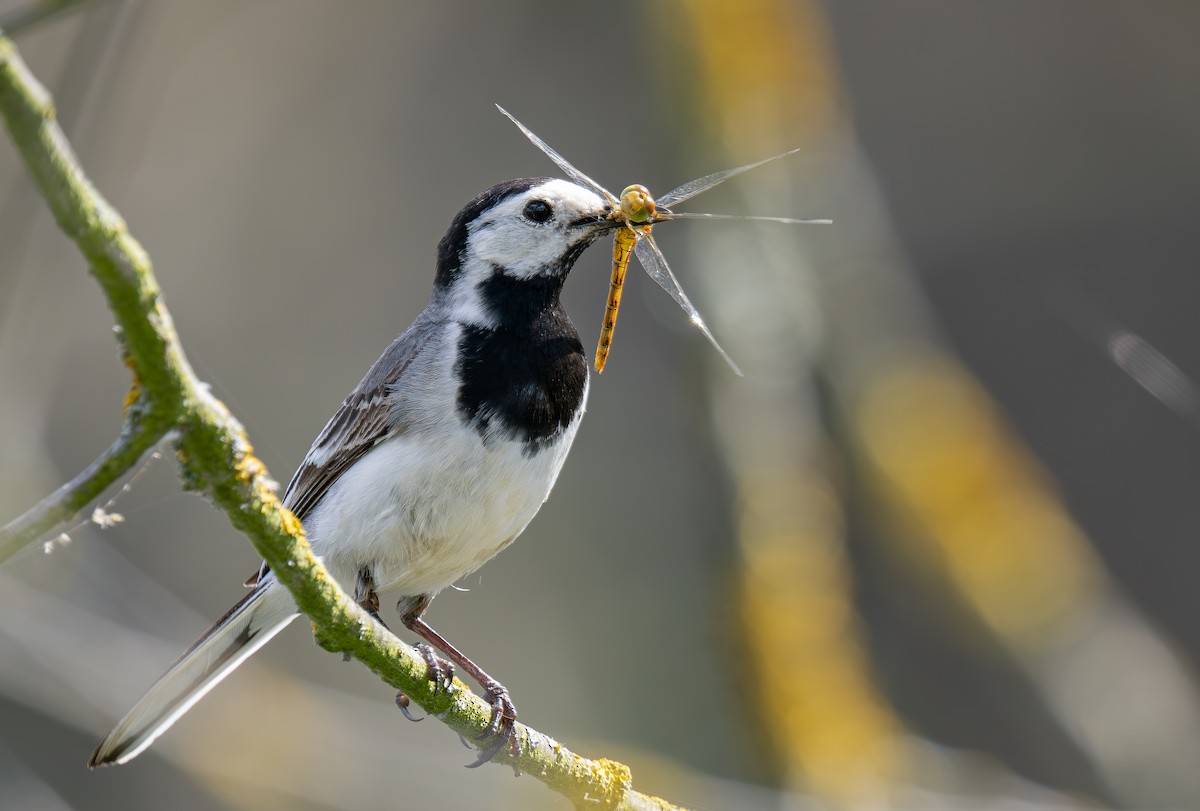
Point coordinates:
[[441, 455]]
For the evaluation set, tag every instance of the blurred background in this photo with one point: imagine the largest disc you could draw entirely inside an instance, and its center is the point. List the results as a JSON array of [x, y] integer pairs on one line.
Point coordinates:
[[936, 549]]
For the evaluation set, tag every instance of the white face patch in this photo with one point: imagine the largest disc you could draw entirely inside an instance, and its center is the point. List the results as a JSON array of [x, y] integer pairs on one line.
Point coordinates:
[[507, 238]]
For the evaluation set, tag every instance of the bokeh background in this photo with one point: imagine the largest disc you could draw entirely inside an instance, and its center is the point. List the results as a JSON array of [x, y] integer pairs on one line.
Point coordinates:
[[936, 549]]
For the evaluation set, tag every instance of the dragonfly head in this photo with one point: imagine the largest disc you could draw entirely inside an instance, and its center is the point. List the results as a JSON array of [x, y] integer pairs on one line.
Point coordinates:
[[637, 205]]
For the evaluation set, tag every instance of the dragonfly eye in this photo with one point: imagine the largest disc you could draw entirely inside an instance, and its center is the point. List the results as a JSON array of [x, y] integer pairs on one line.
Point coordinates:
[[538, 211], [637, 204]]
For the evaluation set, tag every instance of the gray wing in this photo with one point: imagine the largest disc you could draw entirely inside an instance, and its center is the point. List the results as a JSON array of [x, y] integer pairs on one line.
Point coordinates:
[[362, 421]]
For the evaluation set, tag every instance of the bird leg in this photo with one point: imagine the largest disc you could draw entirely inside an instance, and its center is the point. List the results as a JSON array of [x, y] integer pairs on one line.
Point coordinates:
[[504, 714], [440, 672], [368, 599], [365, 596]]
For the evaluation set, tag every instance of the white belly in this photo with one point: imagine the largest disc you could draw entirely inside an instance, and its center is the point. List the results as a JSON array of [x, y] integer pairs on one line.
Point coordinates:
[[423, 511]]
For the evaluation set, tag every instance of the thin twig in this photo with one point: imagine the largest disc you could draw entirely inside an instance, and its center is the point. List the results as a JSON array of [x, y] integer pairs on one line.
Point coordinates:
[[67, 501]]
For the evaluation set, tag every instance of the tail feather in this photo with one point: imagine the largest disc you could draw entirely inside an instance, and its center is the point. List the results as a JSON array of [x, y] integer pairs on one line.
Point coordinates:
[[244, 629]]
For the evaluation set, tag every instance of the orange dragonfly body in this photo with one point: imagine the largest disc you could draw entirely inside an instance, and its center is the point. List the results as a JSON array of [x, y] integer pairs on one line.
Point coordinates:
[[636, 212]]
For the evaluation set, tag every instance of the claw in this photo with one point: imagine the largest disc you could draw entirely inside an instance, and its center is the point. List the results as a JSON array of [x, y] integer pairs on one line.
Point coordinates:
[[486, 753], [441, 672], [504, 713], [403, 702], [502, 728]]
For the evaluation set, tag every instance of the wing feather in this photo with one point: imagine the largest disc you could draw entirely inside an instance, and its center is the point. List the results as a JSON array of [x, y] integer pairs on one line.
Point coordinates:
[[363, 420]]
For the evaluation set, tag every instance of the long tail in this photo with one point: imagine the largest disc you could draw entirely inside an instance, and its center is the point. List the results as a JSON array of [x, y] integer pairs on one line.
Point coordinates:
[[244, 629]]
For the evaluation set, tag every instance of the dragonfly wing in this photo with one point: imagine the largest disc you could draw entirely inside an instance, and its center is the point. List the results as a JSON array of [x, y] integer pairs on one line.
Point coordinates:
[[652, 259], [694, 215], [702, 184], [563, 163]]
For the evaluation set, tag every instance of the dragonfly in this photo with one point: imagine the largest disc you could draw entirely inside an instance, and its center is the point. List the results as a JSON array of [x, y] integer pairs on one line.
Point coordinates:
[[638, 211]]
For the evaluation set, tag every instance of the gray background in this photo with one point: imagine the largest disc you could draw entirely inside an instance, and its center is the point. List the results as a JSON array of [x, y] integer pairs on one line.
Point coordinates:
[[290, 166]]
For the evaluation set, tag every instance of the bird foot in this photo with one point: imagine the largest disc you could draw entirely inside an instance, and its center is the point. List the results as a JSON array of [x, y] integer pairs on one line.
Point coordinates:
[[502, 729], [441, 672]]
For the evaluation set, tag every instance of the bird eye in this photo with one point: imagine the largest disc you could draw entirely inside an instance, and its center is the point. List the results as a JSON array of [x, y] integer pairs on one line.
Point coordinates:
[[538, 211]]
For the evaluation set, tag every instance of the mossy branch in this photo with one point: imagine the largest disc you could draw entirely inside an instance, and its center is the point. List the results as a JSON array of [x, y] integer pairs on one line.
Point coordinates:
[[216, 458]]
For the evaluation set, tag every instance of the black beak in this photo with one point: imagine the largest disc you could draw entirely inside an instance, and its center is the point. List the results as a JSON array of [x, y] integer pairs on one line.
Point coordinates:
[[602, 222]]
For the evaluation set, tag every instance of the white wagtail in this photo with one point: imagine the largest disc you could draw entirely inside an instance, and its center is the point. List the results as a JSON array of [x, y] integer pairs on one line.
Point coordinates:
[[441, 455]]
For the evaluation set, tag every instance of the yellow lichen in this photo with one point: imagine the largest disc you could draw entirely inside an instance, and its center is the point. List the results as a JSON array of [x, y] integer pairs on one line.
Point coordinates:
[[611, 779], [291, 524], [135, 386], [131, 396], [248, 468]]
